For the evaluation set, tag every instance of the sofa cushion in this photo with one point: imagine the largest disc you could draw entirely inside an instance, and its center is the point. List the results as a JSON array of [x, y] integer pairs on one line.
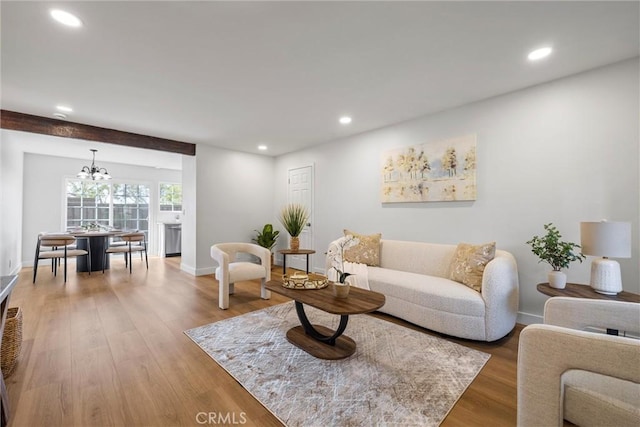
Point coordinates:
[[428, 291], [240, 271], [366, 251], [469, 262], [592, 399], [432, 259]]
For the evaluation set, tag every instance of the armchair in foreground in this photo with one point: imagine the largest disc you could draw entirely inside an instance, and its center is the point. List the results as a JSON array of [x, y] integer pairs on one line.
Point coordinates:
[[587, 378]]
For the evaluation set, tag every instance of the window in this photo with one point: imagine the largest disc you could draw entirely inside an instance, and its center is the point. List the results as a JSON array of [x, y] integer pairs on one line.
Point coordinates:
[[170, 197], [87, 203], [131, 206], [124, 205]]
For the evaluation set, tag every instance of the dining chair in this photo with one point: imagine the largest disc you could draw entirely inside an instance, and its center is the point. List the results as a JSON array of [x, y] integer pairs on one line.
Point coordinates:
[[134, 242], [56, 247], [117, 241]]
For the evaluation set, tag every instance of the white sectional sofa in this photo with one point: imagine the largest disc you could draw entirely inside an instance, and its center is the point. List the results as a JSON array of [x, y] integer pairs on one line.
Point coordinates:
[[414, 277]]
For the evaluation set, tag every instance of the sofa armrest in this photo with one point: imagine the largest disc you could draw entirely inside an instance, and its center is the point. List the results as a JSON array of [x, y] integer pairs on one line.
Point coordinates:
[[500, 293], [546, 351]]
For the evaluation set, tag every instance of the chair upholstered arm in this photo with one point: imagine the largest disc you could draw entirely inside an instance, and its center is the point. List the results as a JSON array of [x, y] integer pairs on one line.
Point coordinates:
[[579, 313], [263, 253], [547, 351], [221, 257]]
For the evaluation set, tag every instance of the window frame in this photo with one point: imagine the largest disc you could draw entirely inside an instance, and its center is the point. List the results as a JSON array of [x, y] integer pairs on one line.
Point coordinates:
[[173, 205]]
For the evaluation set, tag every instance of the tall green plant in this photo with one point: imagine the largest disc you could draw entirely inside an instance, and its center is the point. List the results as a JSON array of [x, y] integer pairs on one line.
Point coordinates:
[[267, 238], [554, 251], [294, 217]]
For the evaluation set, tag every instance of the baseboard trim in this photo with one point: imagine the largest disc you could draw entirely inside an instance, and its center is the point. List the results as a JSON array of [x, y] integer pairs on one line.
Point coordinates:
[[17, 269], [197, 271], [528, 318]]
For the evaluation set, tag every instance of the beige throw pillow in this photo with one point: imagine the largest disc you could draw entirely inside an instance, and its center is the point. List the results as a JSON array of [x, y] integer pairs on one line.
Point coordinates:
[[366, 251], [469, 262]]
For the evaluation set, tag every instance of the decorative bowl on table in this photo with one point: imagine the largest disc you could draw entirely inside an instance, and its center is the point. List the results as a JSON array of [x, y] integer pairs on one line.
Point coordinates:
[[304, 281]]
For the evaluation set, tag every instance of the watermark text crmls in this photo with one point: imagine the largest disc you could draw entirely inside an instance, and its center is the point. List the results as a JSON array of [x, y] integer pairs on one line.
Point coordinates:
[[221, 418]]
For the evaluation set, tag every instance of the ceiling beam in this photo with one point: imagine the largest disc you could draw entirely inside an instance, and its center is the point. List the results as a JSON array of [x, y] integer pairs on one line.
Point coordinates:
[[46, 126]]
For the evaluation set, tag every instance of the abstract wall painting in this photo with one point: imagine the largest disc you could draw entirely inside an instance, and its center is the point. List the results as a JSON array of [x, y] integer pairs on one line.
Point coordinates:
[[431, 172]]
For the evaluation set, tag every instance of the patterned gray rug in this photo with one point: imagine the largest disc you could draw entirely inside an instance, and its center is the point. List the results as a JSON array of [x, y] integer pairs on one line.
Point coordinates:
[[397, 377]]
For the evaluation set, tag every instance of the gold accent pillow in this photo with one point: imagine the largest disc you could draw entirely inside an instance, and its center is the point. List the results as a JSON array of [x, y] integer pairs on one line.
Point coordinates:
[[366, 251], [469, 262]]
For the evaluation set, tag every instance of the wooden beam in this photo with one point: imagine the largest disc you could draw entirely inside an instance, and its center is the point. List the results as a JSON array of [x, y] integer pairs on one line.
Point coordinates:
[[46, 126]]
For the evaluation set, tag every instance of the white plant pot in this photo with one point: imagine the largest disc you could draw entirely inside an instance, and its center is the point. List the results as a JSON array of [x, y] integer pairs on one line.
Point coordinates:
[[557, 279]]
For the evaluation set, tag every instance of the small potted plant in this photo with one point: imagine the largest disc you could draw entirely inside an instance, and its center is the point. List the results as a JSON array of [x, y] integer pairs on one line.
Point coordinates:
[[552, 250], [294, 217], [336, 253], [267, 238]]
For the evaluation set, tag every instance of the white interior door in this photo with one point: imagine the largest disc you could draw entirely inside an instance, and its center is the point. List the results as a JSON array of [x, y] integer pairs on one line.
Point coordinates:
[[300, 190]]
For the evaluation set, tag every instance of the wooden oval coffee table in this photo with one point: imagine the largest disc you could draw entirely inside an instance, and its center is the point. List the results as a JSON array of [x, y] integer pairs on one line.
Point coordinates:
[[318, 340]]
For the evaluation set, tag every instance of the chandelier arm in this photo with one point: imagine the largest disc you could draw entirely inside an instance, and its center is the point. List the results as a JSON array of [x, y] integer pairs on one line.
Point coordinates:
[[94, 171]]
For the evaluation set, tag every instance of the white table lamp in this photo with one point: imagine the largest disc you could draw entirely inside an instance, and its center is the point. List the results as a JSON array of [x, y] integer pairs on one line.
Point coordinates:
[[606, 239]]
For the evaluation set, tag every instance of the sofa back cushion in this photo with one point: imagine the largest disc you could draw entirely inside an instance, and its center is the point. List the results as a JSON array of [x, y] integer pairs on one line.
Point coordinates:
[[432, 259]]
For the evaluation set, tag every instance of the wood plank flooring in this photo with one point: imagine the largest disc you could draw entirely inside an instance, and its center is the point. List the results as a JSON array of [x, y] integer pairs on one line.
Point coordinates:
[[109, 350]]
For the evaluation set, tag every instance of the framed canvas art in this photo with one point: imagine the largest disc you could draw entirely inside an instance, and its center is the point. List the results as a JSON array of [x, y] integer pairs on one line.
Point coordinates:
[[438, 171]]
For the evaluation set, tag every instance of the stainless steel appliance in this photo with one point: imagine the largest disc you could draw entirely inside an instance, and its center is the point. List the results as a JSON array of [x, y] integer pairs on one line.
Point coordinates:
[[172, 240]]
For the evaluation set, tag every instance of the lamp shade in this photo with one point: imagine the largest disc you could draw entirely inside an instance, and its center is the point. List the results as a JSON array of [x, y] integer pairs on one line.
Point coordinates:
[[606, 239]]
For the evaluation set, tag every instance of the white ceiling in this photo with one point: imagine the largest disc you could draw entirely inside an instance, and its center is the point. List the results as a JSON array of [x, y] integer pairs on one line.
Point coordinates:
[[237, 74]]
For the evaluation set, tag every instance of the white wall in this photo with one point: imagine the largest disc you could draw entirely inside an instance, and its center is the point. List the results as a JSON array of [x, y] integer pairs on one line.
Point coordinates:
[[10, 206], [561, 152], [233, 196]]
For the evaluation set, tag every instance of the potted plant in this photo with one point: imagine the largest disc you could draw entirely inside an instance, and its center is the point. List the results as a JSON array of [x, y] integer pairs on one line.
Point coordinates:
[[294, 217], [340, 287], [552, 250], [267, 238]]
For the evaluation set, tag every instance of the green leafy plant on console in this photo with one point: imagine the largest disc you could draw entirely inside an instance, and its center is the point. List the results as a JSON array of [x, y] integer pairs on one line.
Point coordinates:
[[552, 250]]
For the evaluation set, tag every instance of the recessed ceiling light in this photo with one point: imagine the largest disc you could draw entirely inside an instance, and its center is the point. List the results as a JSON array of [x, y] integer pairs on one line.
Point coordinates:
[[64, 108], [539, 53], [66, 18], [345, 120], [59, 116], [262, 147]]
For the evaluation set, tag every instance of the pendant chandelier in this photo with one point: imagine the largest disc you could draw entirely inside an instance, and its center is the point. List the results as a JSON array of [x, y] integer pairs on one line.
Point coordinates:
[[93, 172]]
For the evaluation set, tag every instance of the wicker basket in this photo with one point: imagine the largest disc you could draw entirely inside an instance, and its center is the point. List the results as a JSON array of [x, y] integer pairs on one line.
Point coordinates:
[[11, 341]]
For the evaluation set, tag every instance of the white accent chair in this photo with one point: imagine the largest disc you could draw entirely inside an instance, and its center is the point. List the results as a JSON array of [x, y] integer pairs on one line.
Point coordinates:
[[232, 270], [584, 377]]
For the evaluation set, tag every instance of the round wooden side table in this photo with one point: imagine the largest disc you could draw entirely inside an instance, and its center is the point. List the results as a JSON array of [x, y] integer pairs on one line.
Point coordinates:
[[286, 252]]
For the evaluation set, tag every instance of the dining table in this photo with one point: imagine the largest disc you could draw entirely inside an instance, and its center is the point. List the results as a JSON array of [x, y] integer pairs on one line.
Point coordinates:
[[98, 241]]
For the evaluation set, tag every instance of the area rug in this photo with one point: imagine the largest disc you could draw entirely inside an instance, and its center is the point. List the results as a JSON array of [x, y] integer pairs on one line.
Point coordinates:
[[397, 376]]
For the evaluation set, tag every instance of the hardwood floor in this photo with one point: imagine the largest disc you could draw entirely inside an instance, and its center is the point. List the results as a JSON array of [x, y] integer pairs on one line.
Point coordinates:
[[110, 350]]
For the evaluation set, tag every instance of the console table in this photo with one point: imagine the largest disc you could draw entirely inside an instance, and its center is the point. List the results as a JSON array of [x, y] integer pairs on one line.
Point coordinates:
[[6, 286], [576, 290]]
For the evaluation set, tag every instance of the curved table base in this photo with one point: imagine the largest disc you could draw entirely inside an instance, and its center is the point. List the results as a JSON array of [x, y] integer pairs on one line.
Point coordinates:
[[343, 347], [320, 341]]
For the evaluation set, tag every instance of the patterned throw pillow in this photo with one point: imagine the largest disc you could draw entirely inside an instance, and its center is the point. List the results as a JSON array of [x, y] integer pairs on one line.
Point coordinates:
[[367, 251], [469, 262]]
